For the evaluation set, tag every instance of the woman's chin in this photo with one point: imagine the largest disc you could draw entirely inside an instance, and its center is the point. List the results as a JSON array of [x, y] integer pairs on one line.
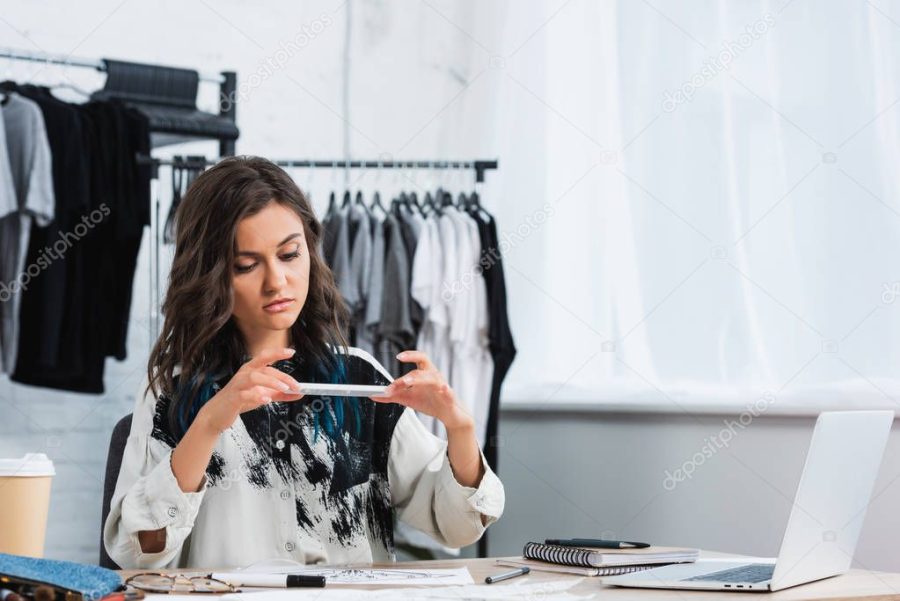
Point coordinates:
[[282, 320]]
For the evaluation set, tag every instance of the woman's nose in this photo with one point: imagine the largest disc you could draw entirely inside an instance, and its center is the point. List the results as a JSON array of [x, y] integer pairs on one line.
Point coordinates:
[[275, 277]]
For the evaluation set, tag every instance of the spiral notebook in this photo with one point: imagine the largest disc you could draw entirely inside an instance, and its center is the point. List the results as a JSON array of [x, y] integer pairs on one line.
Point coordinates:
[[604, 558], [543, 566]]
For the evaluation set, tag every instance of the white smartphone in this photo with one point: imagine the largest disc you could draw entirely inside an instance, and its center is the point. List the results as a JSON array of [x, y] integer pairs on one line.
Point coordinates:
[[360, 390]]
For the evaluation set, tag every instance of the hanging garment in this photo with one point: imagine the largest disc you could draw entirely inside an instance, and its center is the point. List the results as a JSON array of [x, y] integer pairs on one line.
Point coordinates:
[[25, 152], [367, 334], [428, 273], [338, 240], [411, 223], [467, 301], [395, 330], [360, 264], [500, 340], [43, 302], [99, 221]]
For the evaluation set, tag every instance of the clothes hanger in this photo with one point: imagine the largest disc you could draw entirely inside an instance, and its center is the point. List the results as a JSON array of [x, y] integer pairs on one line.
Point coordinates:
[[376, 198], [347, 197], [177, 182], [376, 203], [332, 201], [358, 201], [4, 91], [67, 84], [72, 87], [475, 201], [413, 206]]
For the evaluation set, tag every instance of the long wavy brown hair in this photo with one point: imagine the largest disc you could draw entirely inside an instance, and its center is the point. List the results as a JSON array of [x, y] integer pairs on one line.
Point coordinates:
[[199, 334]]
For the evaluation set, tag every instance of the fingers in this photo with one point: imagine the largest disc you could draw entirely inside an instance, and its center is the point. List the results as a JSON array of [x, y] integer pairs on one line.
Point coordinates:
[[418, 379], [264, 378], [257, 396], [416, 388], [418, 357], [270, 356], [281, 376], [287, 397]]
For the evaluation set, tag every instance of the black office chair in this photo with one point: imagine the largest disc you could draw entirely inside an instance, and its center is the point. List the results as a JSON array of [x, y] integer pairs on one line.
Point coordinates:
[[113, 465]]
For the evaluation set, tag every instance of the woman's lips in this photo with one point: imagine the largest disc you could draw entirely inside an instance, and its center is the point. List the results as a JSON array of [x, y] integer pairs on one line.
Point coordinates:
[[279, 306]]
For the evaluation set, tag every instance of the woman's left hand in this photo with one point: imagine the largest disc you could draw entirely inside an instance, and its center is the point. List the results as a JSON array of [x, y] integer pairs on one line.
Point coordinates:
[[425, 390]]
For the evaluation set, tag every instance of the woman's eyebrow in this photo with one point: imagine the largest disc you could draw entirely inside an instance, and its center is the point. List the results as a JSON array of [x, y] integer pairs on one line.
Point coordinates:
[[251, 253]]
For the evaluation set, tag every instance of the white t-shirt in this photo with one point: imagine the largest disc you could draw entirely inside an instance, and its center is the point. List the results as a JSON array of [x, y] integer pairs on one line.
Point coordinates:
[[473, 366]]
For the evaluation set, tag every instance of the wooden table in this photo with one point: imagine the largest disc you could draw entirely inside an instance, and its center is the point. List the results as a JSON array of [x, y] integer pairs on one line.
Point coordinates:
[[855, 584]]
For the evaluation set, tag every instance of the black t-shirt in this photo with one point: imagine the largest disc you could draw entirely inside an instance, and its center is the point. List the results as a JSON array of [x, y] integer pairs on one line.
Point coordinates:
[[43, 303], [500, 340], [93, 288]]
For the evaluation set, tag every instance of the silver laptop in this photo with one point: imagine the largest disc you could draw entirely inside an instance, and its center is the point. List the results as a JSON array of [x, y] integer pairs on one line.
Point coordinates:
[[841, 466]]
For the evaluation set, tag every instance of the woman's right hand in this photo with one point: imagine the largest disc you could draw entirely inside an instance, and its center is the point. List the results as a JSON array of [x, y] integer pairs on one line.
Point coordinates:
[[255, 384]]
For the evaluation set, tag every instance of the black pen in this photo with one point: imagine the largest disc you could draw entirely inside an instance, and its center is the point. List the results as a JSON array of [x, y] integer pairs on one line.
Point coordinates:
[[507, 575], [249, 579], [596, 543]]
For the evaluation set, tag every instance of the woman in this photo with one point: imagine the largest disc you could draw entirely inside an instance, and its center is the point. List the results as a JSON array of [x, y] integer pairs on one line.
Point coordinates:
[[226, 463]]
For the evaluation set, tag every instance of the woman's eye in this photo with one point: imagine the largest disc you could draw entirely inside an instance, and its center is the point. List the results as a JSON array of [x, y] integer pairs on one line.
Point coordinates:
[[290, 256], [244, 268]]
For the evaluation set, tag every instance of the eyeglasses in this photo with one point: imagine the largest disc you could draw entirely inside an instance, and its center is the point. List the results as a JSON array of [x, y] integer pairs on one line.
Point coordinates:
[[155, 582]]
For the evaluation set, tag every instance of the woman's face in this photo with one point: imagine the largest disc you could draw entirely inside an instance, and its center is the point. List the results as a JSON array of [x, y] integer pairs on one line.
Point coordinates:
[[271, 270]]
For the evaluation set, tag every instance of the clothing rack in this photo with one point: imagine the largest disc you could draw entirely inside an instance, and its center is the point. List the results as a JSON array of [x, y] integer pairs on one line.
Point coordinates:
[[87, 63], [166, 94], [479, 166]]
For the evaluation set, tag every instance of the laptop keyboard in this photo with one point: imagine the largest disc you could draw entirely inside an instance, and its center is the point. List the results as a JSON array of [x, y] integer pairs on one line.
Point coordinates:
[[755, 572]]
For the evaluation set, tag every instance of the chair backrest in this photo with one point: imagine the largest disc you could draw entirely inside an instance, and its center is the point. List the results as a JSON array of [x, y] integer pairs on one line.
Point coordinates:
[[113, 465]]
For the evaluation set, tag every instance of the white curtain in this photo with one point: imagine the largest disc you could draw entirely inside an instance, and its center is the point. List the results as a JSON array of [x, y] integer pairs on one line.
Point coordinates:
[[700, 200]]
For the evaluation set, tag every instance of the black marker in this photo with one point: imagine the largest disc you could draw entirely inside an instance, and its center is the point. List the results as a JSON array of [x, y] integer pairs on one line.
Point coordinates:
[[596, 543], [271, 580]]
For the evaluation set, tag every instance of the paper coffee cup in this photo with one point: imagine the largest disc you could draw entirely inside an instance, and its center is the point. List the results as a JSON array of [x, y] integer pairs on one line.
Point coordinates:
[[24, 503]]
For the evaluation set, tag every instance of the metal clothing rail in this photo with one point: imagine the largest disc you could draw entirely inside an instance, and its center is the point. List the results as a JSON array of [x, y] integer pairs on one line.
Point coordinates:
[[87, 63], [479, 166]]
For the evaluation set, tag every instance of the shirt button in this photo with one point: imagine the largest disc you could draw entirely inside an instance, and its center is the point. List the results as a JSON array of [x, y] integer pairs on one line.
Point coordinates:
[[285, 495], [279, 444], [289, 546], [172, 512]]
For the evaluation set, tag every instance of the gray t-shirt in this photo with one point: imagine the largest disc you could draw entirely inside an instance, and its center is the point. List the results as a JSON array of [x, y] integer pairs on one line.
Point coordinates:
[[360, 266], [366, 336], [26, 153], [395, 331]]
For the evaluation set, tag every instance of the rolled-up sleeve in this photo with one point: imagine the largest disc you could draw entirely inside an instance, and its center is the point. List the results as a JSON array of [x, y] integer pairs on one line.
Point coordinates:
[[426, 494], [147, 497]]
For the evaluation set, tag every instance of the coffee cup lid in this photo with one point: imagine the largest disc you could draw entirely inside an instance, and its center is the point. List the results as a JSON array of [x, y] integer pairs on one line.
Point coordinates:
[[32, 464]]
